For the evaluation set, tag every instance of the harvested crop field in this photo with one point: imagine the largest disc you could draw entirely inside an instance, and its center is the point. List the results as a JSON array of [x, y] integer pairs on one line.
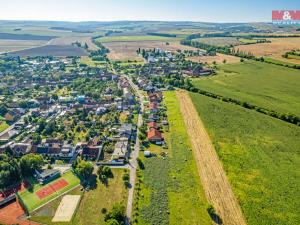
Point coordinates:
[[275, 49], [54, 50], [9, 36], [219, 41], [68, 40], [219, 58], [16, 45], [213, 177], [127, 50]]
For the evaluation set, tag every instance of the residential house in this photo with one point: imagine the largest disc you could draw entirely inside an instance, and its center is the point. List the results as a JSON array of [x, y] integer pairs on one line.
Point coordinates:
[[154, 136]]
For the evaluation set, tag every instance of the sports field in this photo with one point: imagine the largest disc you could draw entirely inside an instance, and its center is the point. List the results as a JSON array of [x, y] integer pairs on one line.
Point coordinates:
[[40, 194], [265, 85], [66, 208], [261, 157]]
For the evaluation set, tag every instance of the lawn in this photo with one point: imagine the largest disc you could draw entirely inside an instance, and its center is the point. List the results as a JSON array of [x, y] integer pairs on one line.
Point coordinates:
[[261, 157], [3, 125], [265, 85], [134, 38], [171, 192], [89, 210], [32, 201]]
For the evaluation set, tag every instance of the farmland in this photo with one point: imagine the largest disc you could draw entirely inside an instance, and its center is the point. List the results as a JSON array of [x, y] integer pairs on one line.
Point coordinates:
[[219, 59], [16, 45], [269, 86], [134, 38], [89, 210], [220, 41], [54, 50], [275, 49], [260, 156], [68, 40], [127, 50], [171, 191]]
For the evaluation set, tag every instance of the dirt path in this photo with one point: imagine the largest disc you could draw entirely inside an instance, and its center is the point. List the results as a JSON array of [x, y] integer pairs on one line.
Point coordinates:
[[212, 175]]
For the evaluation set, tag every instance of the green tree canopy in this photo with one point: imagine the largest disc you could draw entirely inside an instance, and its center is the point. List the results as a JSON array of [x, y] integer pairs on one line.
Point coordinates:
[[29, 163], [9, 171]]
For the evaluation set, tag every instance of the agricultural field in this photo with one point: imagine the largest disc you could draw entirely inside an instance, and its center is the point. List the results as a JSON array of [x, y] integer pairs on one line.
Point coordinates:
[[127, 50], [265, 85], [109, 39], [91, 204], [54, 50], [171, 192], [261, 157], [220, 41], [16, 45], [275, 49], [68, 40], [219, 59], [31, 197]]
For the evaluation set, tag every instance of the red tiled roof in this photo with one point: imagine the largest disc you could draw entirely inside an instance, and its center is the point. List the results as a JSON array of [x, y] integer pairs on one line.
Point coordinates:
[[152, 125], [154, 134]]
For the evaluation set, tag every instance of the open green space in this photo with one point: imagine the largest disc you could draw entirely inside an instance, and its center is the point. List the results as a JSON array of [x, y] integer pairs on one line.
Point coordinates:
[[3, 125], [265, 85], [134, 38], [170, 190], [279, 62], [261, 157], [32, 201], [91, 204]]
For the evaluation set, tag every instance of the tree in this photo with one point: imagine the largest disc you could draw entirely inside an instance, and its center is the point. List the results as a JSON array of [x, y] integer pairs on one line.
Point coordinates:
[[117, 213], [36, 138], [84, 169], [29, 163], [112, 222], [9, 171]]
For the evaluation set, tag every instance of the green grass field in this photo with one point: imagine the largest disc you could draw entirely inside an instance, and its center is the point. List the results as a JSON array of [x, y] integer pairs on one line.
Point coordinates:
[[32, 201], [89, 210], [3, 125], [265, 85], [171, 190], [135, 38], [261, 157], [294, 57], [279, 62]]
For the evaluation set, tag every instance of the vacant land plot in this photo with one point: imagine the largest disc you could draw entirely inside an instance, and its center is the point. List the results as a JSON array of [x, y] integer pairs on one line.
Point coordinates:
[[171, 189], [15, 45], [31, 198], [66, 208], [275, 49], [219, 58], [68, 40], [220, 41], [92, 202], [212, 174], [265, 85], [53, 50], [261, 158], [3, 126], [127, 50]]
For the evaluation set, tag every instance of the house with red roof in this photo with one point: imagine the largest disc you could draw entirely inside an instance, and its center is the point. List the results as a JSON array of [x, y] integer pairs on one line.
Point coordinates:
[[154, 136]]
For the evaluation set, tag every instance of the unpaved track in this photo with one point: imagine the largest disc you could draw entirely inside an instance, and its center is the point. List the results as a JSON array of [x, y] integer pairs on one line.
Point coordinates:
[[212, 175]]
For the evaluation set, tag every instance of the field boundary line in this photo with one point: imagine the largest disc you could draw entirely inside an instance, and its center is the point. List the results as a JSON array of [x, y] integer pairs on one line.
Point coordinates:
[[212, 174]]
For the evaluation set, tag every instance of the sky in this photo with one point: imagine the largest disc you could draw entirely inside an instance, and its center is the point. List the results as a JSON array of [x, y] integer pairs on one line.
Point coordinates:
[[163, 10]]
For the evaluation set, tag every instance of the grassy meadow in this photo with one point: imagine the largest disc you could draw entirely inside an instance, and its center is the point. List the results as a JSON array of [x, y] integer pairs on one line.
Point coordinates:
[[171, 192], [265, 85], [261, 157]]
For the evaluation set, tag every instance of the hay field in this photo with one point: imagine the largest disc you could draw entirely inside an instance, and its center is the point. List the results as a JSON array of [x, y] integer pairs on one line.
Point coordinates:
[[275, 50], [219, 41], [219, 58], [127, 50], [16, 45], [68, 40]]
